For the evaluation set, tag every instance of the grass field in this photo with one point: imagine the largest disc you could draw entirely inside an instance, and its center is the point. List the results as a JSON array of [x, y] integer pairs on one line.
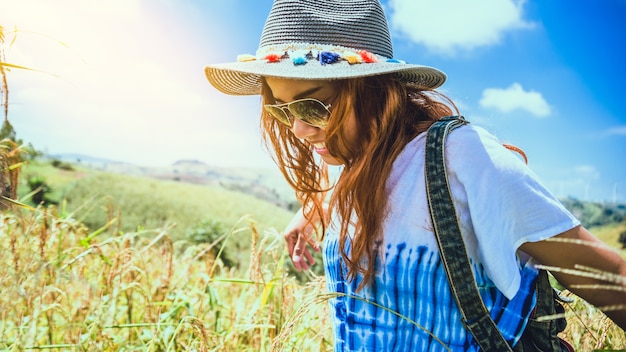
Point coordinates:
[[70, 287], [123, 203], [66, 289], [609, 234], [97, 197]]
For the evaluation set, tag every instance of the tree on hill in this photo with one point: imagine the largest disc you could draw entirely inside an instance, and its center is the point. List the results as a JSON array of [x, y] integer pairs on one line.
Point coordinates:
[[593, 214], [7, 131]]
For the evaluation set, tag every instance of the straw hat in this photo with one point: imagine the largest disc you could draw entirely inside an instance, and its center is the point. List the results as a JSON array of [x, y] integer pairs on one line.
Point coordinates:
[[320, 39]]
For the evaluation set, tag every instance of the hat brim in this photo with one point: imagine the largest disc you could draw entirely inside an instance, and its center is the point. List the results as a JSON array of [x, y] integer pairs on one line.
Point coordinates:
[[244, 78]]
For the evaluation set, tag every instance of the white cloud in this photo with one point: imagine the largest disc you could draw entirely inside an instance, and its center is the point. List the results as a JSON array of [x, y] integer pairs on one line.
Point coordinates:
[[514, 98], [446, 26]]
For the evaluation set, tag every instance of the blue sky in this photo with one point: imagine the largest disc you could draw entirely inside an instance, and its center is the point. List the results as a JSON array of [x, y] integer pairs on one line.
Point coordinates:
[[122, 79]]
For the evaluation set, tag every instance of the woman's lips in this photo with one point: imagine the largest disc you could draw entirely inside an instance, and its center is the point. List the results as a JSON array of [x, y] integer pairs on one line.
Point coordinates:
[[320, 148], [321, 151]]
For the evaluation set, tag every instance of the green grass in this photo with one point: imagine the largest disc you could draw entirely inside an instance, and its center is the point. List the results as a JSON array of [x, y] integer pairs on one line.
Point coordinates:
[[140, 202], [140, 285], [66, 290], [609, 234], [121, 204], [63, 290], [55, 177]]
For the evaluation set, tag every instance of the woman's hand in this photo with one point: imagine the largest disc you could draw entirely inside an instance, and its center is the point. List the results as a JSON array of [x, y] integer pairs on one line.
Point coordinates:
[[298, 237]]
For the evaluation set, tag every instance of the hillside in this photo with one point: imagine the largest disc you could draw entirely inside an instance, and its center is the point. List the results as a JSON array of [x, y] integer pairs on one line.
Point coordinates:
[[189, 192], [123, 203], [263, 183], [128, 291]]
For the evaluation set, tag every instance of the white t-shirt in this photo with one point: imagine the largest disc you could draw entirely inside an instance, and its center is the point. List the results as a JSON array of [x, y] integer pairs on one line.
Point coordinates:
[[500, 204]]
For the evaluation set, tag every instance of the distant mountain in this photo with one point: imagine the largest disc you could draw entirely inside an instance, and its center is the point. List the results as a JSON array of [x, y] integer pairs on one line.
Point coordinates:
[[82, 158], [188, 162], [268, 184], [264, 183]]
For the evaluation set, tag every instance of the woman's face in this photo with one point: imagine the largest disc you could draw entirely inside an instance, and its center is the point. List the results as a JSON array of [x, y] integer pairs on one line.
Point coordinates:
[[288, 90]]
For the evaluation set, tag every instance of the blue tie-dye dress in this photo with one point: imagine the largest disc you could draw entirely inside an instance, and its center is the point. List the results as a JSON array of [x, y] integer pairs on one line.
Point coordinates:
[[500, 205]]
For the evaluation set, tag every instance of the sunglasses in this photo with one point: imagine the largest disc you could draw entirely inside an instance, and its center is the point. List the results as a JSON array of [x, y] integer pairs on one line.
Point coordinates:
[[310, 111]]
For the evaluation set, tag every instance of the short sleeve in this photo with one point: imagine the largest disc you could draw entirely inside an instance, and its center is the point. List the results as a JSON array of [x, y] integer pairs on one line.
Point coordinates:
[[502, 201]]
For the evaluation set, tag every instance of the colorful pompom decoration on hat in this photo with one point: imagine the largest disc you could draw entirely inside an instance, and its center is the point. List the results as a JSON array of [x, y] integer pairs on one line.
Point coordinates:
[[298, 60], [367, 57], [273, 58], [246, 58], [301, 57], [326, 57], [352, 58]]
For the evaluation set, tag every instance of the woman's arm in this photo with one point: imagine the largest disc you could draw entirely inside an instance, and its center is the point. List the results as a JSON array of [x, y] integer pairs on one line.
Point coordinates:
[[298, 236], [578, 248]]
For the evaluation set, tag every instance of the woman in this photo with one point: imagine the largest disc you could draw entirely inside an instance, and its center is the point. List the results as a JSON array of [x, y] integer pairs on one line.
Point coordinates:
[[334, 95]]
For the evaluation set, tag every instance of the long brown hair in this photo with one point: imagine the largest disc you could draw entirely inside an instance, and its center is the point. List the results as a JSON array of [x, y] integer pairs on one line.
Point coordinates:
[[389, 114]]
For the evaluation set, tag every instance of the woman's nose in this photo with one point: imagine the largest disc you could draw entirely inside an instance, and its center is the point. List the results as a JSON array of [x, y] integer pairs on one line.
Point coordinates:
[[302, 130]]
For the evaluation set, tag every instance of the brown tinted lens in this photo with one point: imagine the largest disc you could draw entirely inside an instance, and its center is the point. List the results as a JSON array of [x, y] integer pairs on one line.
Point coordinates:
[[279, 114], [310, 111]]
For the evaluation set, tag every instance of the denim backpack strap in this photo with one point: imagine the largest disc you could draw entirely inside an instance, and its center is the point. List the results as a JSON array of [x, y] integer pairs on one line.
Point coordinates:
[[475, 316]]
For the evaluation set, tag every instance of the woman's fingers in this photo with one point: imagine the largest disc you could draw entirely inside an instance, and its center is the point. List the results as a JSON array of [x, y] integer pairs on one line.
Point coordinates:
[[298, 238], [291, 238], [297, 246], [309, 257], [301, 253]]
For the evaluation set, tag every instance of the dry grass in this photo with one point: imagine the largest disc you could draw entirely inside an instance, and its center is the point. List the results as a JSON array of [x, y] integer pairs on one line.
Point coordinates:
[[66, 289], [140, 292], [588, 329]]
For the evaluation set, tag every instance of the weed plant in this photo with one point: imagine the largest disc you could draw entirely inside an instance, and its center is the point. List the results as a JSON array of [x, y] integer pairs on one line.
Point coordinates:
[[140, 201], [65, 288], [68, 288]]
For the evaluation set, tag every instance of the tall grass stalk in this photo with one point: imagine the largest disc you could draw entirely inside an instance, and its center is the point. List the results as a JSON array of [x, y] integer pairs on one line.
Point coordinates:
[[65, 289]]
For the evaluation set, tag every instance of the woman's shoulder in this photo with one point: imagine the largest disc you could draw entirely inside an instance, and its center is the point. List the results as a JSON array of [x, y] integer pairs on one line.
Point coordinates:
[[472, 134], [476, 150], [472, 141], [466, 144], [465, 139]]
